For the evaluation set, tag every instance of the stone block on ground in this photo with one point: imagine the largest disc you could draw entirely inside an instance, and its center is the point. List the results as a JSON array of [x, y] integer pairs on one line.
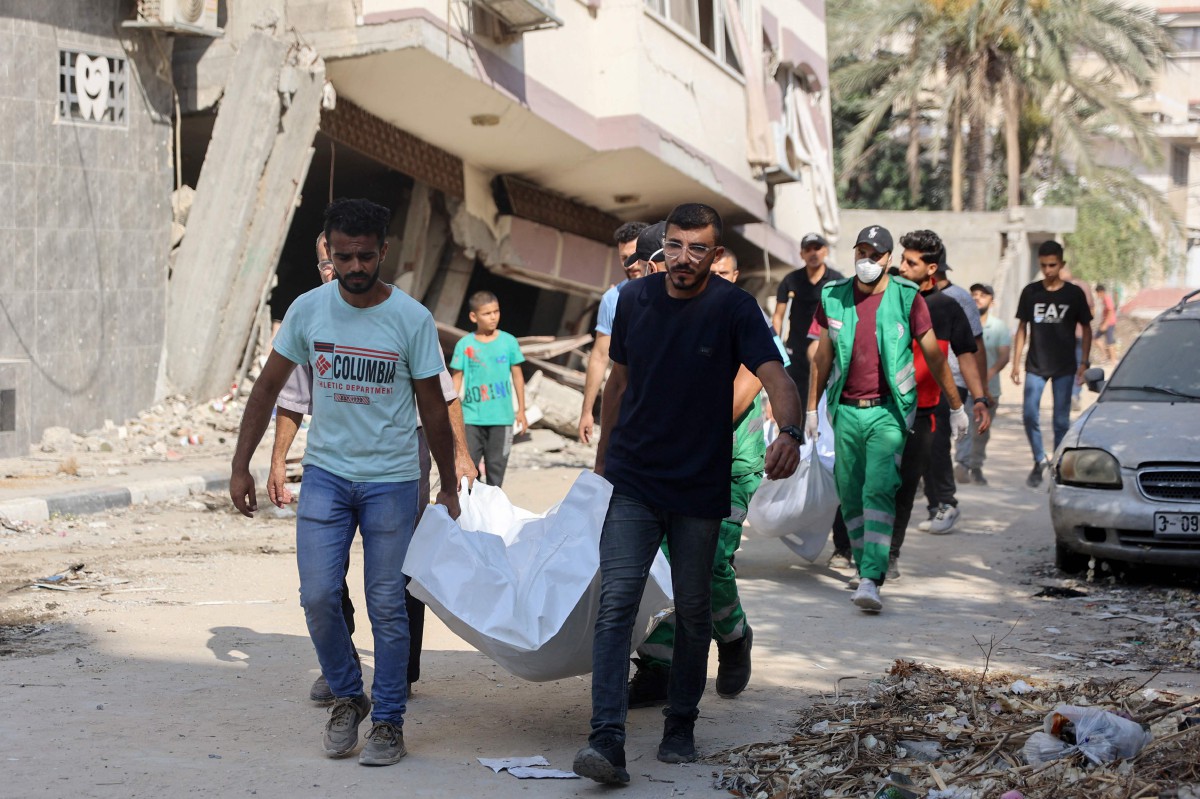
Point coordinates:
[[559, 404]]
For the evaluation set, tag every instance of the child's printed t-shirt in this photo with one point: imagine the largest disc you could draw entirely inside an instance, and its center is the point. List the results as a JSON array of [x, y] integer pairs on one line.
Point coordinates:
[[487, 389]]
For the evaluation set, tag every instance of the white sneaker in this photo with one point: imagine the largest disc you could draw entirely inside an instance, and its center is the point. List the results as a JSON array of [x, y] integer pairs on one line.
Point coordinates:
[[924, 526], [943, 521], [853, 582], [867, 597]]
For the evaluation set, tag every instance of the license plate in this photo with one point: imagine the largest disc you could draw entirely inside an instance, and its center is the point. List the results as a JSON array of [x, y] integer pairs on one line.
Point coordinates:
[[1177, 524]]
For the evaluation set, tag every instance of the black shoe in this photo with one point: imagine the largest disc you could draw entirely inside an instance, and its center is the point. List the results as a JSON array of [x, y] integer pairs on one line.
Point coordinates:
[[977, 477], [320, 692], [1035, 476], [649, 684], [733, 669], [603, 762], [678, 741]]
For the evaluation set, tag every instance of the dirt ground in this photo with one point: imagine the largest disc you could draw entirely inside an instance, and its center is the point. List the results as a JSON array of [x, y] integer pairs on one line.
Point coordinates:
[[184, 667]]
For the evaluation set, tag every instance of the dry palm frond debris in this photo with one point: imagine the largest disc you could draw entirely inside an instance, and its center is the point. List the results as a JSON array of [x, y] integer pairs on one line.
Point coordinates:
[[924, 731]]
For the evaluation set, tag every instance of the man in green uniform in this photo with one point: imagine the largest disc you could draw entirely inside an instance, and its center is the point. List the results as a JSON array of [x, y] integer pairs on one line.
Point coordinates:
[[865, 359]]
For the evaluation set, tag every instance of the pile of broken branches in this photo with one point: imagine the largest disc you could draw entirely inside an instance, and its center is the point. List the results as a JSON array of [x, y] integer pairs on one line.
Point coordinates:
[[948, 734]]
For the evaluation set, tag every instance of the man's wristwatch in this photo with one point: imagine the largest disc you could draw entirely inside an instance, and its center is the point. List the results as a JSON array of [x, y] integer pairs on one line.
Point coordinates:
[[987, 403], [794, 432]]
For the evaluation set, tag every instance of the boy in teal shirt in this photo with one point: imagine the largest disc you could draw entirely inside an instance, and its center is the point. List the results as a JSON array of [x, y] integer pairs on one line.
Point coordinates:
[[487, 374]]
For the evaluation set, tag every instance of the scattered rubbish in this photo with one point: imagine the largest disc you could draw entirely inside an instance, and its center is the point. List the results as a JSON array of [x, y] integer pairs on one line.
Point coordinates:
[[1021, 687], [897, 787], [1058, 592], [498, 764], [526, 768], [910, 716], [1101, 735], [74, 578]]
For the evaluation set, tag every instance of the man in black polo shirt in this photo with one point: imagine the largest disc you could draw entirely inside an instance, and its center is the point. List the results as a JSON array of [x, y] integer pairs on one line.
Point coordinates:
[[798, 297], [666, 442]]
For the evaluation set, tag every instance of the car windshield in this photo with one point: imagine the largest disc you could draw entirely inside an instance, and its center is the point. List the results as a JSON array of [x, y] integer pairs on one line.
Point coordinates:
[[1163, 365]]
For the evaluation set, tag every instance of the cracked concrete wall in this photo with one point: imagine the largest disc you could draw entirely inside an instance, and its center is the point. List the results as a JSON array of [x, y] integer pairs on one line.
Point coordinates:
[[248, 189]]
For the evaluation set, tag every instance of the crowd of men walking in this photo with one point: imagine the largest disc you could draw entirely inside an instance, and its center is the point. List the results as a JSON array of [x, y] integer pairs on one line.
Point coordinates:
[[901, 360]]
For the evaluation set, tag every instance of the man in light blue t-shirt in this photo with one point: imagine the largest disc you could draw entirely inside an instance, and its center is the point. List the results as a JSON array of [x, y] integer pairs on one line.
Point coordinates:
[[375, 358]]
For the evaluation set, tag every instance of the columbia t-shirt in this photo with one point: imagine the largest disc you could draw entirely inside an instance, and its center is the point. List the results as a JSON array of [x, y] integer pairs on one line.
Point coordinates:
[[364, 421], [1052, 317], [672, 445], [296, 394], [487, 387]]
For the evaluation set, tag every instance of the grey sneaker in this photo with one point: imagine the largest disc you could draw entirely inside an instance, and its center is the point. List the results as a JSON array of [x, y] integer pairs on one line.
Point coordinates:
[[320, 692], [893, 572], [842, 562], [384, 745], [943, 521], [962, 474], [867, 597], [853, 582], [977, 477], [341, 733]]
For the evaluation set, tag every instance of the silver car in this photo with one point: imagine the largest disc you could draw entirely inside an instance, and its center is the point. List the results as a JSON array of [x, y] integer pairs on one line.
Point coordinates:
[[1127, 475]]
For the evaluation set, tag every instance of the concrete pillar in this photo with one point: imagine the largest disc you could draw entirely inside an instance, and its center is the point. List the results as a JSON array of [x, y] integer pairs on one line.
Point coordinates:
[[446, 298], [248, 189]]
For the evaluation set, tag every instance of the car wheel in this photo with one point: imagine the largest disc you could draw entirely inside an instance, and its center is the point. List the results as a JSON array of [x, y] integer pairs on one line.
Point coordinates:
[[1068, 560]]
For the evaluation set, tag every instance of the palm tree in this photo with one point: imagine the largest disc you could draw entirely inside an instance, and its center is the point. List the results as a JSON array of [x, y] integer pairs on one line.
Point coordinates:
[[1081, 62]]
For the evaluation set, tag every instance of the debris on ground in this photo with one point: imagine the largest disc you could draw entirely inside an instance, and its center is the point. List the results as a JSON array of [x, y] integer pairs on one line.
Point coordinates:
[[534, 767], [923, 731], [75, 578]]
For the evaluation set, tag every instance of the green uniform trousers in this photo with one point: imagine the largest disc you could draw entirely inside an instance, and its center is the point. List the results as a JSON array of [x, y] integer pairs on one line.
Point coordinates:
[[868, 446], [729, 620]]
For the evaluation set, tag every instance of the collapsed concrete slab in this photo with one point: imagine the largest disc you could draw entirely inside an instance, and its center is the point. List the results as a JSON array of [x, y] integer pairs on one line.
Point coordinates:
[[249, 187]]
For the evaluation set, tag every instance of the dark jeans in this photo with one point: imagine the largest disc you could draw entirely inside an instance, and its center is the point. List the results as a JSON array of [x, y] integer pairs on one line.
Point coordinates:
[[491, 444], [414, 606], [841, 536], [939, 472], [912, 465], [632, 533]]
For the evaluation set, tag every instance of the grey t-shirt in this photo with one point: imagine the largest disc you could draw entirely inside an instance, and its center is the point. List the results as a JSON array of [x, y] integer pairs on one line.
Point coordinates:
[[967, 302]]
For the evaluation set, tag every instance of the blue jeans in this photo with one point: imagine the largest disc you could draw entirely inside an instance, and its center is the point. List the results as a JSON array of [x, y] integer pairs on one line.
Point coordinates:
[[632, 533], [331, 509], [1061, 389]]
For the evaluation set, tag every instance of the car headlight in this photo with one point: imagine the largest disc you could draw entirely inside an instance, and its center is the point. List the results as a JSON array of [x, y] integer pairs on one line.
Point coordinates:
[[1089, 467]]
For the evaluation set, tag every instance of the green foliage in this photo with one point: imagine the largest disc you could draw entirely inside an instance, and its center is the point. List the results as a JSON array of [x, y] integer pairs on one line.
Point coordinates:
[[1112, 242]]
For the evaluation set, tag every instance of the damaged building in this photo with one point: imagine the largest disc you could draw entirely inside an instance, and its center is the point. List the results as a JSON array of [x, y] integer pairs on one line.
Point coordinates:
[[510, 138]]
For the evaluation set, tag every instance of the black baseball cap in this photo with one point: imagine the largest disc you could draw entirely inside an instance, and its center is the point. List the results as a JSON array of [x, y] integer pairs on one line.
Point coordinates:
[[877, 236], [942, 265], [984, 288], [813, 238], [649, 244]]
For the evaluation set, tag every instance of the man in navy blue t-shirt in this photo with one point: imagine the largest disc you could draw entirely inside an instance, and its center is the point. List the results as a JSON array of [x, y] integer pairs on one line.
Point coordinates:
[[666, 442]]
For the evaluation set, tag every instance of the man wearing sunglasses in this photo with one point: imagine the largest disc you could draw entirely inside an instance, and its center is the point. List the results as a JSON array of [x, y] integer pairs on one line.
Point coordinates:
[[666, 443]]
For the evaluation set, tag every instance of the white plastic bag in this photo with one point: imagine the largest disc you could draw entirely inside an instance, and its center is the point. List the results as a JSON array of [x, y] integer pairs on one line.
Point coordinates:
[[800, 509], [1102, 736], [520, 587]]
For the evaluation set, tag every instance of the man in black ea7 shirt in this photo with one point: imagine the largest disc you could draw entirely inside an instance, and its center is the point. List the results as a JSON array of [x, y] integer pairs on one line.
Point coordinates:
[[1049, 310], [666, 442]]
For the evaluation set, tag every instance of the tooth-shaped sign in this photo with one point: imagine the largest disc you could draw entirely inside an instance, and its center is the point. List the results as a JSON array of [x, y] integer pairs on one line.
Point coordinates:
[[91, 86]]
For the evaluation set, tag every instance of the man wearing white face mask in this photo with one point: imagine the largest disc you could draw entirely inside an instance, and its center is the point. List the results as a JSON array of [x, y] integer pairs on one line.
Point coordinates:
[[864, 360]]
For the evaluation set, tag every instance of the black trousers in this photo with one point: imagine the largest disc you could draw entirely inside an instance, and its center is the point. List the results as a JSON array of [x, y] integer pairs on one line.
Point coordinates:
[[939, 473], [913, 464]]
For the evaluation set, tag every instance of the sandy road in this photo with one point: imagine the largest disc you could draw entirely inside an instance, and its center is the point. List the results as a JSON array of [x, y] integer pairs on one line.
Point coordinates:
[[191, 677]]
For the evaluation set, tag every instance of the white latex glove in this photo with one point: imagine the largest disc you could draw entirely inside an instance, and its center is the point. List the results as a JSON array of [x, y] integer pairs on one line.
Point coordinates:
[[810, 426], [959, 423]]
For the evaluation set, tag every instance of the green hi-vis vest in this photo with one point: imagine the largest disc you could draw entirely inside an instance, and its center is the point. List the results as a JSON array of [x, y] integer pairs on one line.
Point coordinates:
[[892, 333], [749, 446]]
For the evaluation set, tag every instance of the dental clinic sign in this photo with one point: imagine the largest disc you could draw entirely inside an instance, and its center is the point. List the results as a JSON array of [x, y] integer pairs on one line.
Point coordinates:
[[91, 88]]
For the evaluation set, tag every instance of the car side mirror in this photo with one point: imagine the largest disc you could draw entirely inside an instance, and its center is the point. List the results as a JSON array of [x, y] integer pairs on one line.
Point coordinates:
[[1094, 378]]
